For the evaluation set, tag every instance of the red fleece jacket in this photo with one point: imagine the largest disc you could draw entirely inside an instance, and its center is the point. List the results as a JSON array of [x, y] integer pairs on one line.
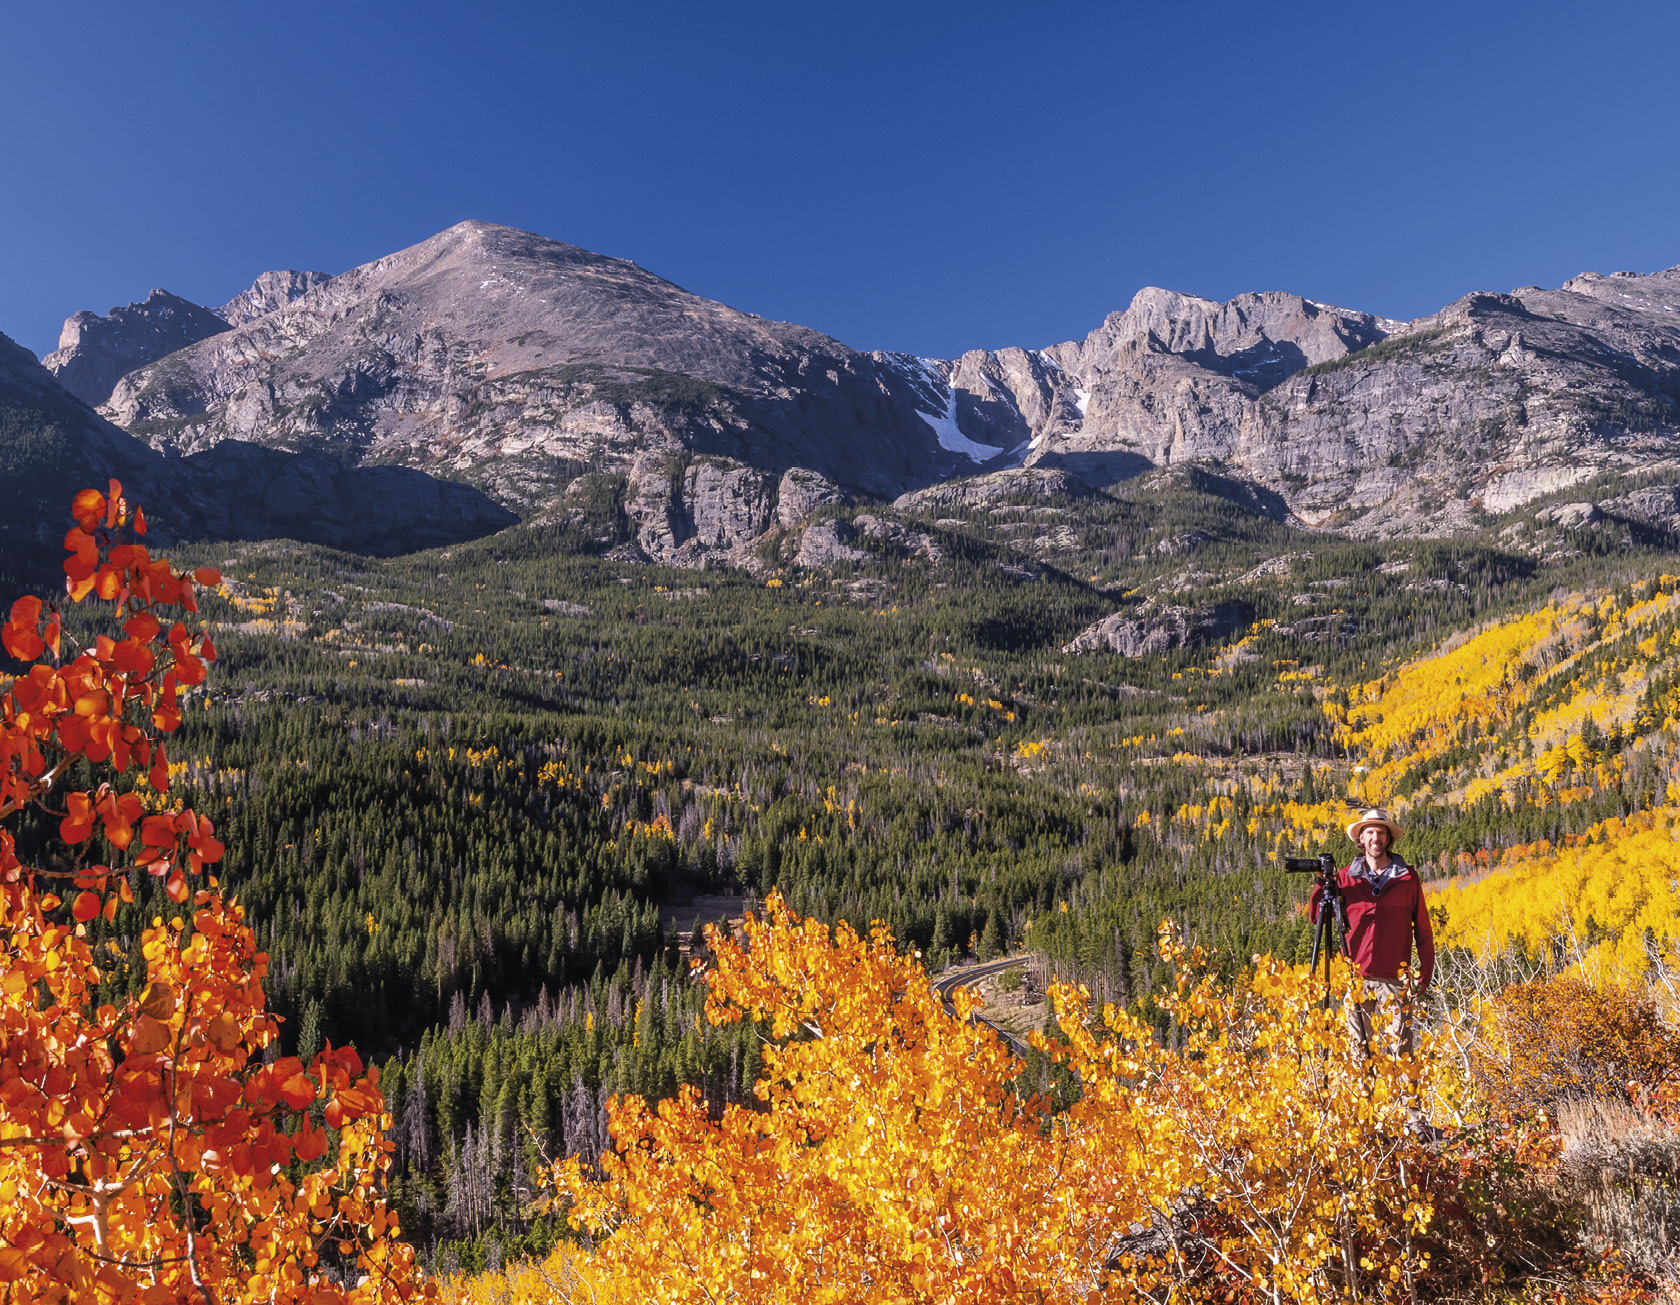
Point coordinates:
[[1381, 929]]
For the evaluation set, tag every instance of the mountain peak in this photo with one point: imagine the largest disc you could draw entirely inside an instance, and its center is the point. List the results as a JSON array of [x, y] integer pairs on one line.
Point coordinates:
[[95, 352]]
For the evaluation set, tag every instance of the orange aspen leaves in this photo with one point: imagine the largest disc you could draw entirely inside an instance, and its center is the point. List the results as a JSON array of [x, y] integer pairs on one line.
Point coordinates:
[[893, 1160], [147, 1152]]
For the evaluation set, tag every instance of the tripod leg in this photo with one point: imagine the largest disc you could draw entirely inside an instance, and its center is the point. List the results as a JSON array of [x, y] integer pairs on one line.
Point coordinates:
[[1324, 941]]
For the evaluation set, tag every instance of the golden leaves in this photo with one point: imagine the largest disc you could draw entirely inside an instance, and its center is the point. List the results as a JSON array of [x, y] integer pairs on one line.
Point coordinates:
[[893, 1160]]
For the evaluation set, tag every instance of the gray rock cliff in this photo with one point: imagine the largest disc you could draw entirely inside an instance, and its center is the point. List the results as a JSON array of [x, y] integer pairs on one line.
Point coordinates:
[[94, 352], [1379, 428], [269, 291]]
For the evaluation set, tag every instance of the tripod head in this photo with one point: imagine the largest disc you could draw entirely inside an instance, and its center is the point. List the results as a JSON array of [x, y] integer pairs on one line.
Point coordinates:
[[1324, 866]]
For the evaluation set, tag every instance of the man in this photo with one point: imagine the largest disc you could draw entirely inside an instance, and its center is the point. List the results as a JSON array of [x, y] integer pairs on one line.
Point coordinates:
[[1386, 914]]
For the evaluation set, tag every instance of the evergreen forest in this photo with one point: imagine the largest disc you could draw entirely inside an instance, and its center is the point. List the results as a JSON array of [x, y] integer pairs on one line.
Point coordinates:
[[479, 802]]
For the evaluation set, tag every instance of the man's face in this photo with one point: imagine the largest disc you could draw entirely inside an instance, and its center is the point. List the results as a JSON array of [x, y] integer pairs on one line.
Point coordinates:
[[1374, 839]]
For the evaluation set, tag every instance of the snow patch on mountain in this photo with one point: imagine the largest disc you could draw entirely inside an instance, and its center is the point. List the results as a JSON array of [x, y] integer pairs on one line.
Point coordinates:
[[944, 424]]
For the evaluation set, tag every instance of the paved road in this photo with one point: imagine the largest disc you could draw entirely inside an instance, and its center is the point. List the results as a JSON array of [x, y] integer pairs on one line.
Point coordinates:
[[969, 977]]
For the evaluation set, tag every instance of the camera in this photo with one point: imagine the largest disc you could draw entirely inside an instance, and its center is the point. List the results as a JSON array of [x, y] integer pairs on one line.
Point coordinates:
[[1308, 865]]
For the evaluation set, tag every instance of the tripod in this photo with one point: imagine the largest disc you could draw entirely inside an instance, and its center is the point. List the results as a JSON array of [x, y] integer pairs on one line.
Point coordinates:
[[1332, 910]]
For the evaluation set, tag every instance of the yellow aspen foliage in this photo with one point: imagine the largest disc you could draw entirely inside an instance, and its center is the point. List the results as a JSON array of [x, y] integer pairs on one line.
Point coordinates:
[[1610, 895], [1413, 713], [566, 1274], [891, 1159]]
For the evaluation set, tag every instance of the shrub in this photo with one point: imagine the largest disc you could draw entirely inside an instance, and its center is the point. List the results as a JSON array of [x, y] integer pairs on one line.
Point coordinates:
[[1559, 1039]]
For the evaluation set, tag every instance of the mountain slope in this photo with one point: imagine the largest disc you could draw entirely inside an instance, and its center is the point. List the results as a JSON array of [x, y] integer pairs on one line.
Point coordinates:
[[94, 352], [52, 444], [1381, 428], [521, 362]]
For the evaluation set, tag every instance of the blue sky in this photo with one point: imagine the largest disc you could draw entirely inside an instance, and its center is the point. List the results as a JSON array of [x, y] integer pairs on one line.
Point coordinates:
[[926, 177]]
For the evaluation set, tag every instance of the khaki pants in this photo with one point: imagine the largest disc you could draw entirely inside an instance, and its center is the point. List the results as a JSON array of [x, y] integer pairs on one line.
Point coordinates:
[[1382, 1018]]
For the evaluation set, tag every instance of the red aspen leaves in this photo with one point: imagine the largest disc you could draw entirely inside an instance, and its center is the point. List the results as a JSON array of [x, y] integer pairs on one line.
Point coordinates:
[[147, 1152], [108, 702], [21, 634]]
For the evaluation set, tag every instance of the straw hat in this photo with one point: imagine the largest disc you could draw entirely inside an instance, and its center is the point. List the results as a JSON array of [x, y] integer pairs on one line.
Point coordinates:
[[1376, 816]]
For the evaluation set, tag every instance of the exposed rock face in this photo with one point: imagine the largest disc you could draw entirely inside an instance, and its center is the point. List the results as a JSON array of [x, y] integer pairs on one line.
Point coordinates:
[[1260, 338], [915, 543], [1156, 628], [518, 362], [1569, 516], [727, 506], [1137, 634], [980, 493], [94, 352], [1655, 506], [706, 512], [51, 445], [1175, 378], [269, 291], [1381, 428], [803, 492], [1170, 364], [825, 543], [988, 406]]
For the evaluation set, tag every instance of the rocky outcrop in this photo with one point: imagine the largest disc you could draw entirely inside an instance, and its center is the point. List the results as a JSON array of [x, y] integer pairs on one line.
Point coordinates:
[[268, 292], [802, 492], [912, 542], [826, 543], [697, 514], [1260, 339], [94, 352], [1155, 628], [995, 490], [1144, 633], [728, 506], [1656, 507], [1569, 516]]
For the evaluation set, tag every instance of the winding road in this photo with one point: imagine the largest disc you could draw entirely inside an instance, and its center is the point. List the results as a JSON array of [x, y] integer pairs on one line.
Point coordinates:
[[969, 977]]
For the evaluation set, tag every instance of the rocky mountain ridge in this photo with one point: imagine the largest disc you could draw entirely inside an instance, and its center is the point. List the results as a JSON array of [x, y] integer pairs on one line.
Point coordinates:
[[1374, 427], [517, 363], [52, 444], [94, 352], [521, 365]]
